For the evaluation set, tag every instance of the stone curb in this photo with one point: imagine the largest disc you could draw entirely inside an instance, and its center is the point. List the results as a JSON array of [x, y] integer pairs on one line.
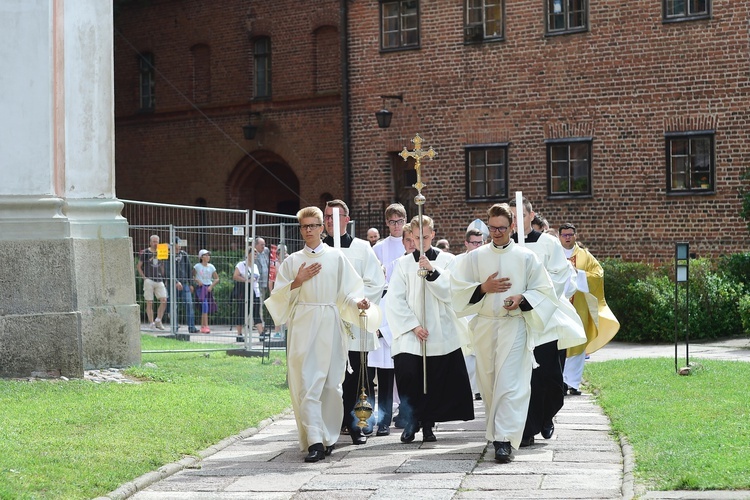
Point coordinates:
[[141, 483], [628, 464]]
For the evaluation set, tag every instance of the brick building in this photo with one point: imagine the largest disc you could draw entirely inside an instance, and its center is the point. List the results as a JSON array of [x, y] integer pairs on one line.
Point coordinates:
[[190, 74], [628, 119]]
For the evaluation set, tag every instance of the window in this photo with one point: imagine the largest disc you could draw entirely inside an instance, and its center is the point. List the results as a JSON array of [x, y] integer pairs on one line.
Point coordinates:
[[569, 167], [487, 172], [686, 10], [484, 19], [566, 16], [399, 24], [262, 66], [690, 162], [146, 70]]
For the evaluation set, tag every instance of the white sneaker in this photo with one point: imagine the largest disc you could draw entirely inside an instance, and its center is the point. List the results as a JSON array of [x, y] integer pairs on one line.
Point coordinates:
[[151, 327], [158, 325]]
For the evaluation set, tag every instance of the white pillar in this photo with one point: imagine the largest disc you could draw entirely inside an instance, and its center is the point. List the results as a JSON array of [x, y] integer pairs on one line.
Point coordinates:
[[67, 278]]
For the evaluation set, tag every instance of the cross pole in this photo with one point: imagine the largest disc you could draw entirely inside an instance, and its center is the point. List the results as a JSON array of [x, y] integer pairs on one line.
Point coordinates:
[[418, 153]]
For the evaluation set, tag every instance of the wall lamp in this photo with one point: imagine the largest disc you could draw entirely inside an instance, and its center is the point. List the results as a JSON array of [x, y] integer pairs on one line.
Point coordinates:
[[384, 116], [251, 128]]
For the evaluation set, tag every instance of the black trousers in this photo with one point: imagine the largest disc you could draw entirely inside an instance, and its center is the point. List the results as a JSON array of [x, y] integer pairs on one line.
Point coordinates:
[[352, 390], [385, 396], [547, 389]]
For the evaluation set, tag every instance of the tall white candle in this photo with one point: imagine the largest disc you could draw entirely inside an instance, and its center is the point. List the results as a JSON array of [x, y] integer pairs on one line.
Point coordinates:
[[520, 229], [336, 228]]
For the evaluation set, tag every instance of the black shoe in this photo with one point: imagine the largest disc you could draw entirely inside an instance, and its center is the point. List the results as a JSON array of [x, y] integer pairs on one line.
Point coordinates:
[[383, 430], [316, 453], [192, 330], [357, 437], [367, 431], [548, 429], [427, 435], [240, 339], [503, 451], [329, 449], [527, 441], [408, 435], [344, 430], [399, 423], [574, 392], [477, 397]]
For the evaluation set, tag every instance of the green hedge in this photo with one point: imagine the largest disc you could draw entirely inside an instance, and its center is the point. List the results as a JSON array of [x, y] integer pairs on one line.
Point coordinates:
[[643, 299]]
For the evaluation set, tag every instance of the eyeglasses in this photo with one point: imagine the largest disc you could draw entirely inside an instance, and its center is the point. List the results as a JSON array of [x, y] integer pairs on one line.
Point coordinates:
[[567, 235], [309, 227], [498, 229], [396, 222], [330, 217], [474, 243]]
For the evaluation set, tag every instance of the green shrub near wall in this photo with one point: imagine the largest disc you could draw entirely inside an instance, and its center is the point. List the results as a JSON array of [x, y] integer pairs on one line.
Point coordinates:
[[642, 298]]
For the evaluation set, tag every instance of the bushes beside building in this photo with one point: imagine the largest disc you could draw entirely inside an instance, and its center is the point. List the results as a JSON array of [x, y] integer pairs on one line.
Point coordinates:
[[642, 297]]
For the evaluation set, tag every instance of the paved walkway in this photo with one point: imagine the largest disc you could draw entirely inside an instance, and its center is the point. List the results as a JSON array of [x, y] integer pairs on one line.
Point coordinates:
[[582, 460]]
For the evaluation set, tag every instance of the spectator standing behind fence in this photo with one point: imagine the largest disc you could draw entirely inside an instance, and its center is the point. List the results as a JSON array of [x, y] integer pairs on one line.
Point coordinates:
[[206, 278], [241, 276], [263, 261], [153, 274], [183, 280]]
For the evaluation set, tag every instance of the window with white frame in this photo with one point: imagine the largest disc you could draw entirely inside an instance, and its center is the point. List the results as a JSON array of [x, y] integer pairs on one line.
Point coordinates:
[[399, 24], [484, 20], [569, 167], [487, 172], [690, 162]]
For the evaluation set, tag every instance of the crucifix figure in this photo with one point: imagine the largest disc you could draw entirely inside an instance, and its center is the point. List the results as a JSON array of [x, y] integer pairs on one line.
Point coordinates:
[[418, 153]]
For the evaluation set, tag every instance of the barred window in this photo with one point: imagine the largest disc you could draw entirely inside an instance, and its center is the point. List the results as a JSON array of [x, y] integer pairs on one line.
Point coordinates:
[[147, 80]]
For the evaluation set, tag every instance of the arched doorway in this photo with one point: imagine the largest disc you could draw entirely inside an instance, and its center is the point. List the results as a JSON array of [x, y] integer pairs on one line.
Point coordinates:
[[274, 188]]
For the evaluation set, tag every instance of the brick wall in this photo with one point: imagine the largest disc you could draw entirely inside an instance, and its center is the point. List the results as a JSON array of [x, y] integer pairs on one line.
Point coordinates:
[[625, 83], [191, 146]]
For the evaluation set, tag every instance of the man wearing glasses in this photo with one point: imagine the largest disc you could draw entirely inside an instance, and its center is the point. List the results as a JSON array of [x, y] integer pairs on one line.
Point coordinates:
[[562, 331], [600, 325], [362, 257], [387, 251], [507, 288], [316, 289]]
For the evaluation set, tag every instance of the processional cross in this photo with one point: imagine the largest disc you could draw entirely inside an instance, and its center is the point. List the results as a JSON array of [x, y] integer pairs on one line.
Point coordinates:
[[418, 153]]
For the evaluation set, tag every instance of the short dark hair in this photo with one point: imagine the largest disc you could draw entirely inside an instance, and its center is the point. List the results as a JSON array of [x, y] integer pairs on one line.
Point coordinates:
[[567, 225], [472, 231]]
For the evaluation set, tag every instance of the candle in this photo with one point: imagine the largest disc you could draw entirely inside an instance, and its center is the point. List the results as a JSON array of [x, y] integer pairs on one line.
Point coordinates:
[[336, 228], [520, 229]]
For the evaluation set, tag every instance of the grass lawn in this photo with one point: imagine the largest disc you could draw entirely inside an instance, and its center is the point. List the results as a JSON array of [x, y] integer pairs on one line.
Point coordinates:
[[78, 439], [687, 432]]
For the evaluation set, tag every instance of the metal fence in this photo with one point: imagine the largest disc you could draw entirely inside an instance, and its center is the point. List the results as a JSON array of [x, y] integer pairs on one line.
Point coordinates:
[[228, 235]]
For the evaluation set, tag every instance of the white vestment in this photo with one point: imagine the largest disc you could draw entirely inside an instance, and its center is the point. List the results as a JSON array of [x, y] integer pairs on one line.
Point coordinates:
[[387, 251], [317, 341], [502, 339], [363, 259], [565, 326], [407, 309]]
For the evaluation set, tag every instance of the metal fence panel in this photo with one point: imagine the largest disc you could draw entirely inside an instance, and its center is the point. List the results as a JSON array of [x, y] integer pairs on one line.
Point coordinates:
[[228, 234]]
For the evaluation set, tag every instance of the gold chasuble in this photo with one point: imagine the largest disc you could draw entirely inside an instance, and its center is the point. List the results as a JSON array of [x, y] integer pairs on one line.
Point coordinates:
[[598, 320]]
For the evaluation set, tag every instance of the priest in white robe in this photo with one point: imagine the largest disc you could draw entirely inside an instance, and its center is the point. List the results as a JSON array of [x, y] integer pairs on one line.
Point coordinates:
[[563, 330], [505, 318], [421, 315], [362, 257], [316, 290]]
